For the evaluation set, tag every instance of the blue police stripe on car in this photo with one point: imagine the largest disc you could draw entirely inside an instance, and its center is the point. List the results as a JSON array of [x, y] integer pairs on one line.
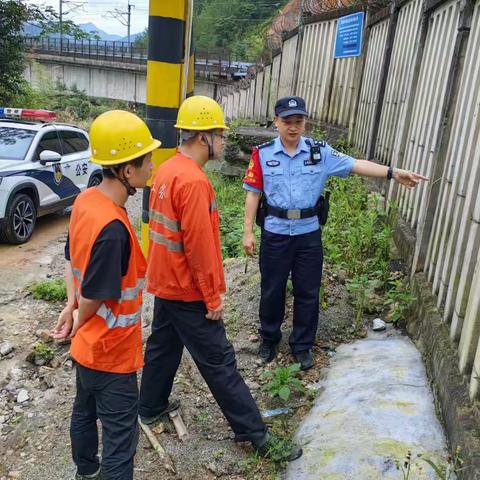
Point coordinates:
[[65, 188]]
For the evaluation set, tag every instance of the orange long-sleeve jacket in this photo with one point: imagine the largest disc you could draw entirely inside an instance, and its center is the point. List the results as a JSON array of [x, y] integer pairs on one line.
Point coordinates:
[[185, 258]]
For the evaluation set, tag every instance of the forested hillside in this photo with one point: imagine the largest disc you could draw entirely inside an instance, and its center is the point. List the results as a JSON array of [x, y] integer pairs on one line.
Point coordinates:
[[238, 25]]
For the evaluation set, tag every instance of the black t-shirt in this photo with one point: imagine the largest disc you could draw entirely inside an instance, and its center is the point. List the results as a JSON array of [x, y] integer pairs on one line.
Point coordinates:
[[103, 276]]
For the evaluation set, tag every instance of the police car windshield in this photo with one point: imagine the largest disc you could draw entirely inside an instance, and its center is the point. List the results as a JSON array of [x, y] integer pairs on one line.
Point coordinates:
[[15, 142]]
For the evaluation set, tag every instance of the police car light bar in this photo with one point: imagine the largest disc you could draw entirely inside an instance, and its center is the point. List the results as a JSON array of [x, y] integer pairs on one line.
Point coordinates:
[[26, 114]]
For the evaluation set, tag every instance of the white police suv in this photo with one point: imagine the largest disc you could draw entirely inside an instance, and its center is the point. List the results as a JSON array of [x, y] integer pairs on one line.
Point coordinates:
[[43, 167]]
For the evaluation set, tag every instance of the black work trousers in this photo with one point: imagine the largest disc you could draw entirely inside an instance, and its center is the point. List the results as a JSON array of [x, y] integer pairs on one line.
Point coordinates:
[[302, 255], [175, 325], [113, 399]]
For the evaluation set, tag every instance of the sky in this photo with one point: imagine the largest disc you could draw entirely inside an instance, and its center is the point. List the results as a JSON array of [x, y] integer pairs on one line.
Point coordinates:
[[96, 11]]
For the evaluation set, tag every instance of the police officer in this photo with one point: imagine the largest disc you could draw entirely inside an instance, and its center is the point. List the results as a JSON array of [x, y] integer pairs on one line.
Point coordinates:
[[290, 172]]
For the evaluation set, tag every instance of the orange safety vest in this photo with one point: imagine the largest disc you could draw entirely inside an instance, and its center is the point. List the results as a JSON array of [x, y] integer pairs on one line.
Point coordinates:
[[185, 256], [110, 341]]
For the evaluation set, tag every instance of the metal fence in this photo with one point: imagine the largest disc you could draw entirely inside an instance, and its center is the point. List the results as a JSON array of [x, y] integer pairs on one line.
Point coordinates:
[[427, 113], [289, 52], [412, 100], [370, 85], [208, 64], [399, 82], [453, 260]]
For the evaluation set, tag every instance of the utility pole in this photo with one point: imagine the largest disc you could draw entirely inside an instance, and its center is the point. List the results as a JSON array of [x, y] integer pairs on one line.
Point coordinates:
[[129, 20], [60, 25], [123, 16], [169, 35], [61, 13]]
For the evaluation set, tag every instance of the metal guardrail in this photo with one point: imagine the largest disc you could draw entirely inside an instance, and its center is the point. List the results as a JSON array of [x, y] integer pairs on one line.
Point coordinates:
[[207, 64]]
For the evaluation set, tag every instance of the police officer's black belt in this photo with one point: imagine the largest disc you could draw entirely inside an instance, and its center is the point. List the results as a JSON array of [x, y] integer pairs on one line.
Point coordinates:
[[292, 214]]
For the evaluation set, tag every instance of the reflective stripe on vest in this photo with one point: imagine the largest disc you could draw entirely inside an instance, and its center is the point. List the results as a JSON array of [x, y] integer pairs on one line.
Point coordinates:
[[126, 294], [132, 293], [162, 240], [173, 225], [77, 274], [213, 205], [120, 321]]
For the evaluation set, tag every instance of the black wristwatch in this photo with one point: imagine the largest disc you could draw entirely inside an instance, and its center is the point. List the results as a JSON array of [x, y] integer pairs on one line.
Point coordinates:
[[390, 173]]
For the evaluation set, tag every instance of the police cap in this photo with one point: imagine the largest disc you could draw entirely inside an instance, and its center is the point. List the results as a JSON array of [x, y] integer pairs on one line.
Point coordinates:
[[287, 106]]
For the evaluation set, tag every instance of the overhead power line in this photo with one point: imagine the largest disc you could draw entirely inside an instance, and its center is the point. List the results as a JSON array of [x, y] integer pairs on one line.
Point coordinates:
[[123, 16]]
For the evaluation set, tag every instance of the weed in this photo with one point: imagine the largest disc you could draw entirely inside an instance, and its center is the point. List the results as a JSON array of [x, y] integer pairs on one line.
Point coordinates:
[[290, 286], [344, 146], [50, 290], [283, 382], [202, 420], [405, 466], [448, 471], [17, 419], [361, 288], [230, 200], [357, 240], [41, 354], [251, 465], [399, 300], [218, 454], [318, 133]]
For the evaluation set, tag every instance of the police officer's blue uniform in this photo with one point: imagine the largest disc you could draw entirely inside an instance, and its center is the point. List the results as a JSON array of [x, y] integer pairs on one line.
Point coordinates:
[[292, 183]]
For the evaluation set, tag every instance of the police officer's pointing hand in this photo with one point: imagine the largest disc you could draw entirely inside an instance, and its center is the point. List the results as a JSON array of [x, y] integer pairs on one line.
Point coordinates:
[[407, 179]]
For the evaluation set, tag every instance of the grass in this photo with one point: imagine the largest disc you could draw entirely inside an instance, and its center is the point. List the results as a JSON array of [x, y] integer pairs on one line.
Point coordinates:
[[50, 290], [231, 200], [357, 240]]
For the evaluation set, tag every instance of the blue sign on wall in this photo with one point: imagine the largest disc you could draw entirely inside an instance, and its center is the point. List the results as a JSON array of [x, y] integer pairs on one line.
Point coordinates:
[[348, 41]]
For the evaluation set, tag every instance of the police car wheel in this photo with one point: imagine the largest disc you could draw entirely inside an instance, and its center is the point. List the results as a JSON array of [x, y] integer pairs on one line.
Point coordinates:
[[20, 220]]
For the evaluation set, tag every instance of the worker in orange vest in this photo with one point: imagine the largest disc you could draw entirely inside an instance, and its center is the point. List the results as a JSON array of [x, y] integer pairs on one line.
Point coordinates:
[[185, 273], [105, 277]]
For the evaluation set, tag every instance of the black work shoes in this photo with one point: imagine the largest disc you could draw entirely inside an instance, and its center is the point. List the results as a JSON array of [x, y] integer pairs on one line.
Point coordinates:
[[305, 359], [94, 476], [277, 449], [173, 405], [268, 352]]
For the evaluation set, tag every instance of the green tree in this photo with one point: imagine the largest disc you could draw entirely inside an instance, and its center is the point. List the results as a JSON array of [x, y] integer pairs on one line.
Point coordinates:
[[142, 40], [12, 17], [233, 24]]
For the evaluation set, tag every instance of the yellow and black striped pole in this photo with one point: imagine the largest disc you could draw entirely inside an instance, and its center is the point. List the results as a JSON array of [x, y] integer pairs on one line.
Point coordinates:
[[169, 32]]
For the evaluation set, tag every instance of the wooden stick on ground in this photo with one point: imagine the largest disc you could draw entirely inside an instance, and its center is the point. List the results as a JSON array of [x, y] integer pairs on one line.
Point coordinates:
[[179, 424], [167, 461]]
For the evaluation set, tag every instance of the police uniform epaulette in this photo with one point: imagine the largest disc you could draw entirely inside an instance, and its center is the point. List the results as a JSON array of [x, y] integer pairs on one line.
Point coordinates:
[[266, 144], [319, 143]]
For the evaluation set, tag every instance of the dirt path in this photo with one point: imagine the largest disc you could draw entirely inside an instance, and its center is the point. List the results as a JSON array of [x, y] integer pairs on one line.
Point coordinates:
[[22, 264]]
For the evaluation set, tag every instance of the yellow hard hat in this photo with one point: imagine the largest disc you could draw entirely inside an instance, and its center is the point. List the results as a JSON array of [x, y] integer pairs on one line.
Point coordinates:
[[118, 137], [200, 113]]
